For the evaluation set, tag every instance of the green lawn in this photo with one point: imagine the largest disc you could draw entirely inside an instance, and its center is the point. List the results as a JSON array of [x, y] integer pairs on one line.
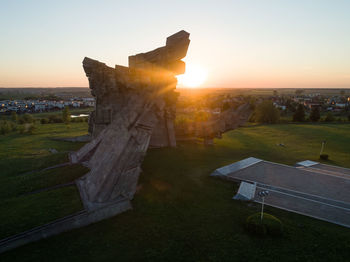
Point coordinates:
[[180, 213], [21, 153]]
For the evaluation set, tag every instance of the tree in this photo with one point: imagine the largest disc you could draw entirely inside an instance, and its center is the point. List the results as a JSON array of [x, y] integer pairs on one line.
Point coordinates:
[[14, 116], [66, 115], [315, 114], [4, 127], [226, 106], [266, 112], [26, 118], [329, 117], [299, 115], [275, 93], [290, 105], [299, 91]]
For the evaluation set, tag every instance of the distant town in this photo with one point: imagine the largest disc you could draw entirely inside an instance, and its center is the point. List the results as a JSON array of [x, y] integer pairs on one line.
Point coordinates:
[[42, 105], [335, 102], [37, 100]]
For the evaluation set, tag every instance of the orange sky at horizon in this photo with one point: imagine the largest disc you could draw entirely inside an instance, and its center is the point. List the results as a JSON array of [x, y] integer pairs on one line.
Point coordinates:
[[244, 44]]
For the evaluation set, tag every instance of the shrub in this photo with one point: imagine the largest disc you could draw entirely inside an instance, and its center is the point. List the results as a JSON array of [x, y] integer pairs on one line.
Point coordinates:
[[44, 121], [66, 115], [299, 115], [31, 129], [78, 119], [14, 116], [315, 114], [324, 156], [26, 118], [55, 119], [5, 127], [21, 129], [270, 225], [266, 112], [329, 117], [13, 126]]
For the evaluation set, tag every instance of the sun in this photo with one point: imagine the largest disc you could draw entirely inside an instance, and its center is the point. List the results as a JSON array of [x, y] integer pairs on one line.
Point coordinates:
[[194, 76]]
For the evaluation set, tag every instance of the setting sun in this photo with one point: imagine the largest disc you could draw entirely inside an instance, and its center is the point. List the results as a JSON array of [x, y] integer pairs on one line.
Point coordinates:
[[194, 77]]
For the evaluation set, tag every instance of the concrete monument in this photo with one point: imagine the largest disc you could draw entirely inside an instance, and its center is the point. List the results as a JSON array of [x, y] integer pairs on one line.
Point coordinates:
[[135, 107], [214, 128]]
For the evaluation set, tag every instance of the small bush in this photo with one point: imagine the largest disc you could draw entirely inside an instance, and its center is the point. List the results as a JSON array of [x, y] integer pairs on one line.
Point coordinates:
[[5, 127], [270, 225], [44, 121], [14, 116], [55, 119], [31, 129], [315, 114], [13, 126], [66, 115], [299, 115], [324, 156], [21, 129], [78, 119], [26, 118], [329, 117]]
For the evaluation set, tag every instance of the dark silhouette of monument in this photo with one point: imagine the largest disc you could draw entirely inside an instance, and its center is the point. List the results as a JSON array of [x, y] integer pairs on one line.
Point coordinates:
[[135, 107]]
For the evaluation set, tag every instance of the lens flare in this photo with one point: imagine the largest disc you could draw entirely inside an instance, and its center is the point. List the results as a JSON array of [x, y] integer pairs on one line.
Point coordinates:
[[194, 76]]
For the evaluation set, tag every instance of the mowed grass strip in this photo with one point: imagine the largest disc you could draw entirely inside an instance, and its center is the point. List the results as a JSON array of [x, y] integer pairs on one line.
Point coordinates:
[[20, 153], [182, 214], [25, 184], [25, 212]]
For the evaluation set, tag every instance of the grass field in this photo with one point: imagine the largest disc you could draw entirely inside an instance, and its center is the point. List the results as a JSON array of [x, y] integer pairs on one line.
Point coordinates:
[[180, 213]]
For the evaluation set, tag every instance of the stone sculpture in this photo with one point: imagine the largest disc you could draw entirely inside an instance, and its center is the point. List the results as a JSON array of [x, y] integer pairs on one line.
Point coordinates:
[[135, 106], [214, 128]]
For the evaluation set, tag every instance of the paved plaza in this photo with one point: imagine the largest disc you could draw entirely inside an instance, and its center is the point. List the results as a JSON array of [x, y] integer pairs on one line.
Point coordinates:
[[310, 188]]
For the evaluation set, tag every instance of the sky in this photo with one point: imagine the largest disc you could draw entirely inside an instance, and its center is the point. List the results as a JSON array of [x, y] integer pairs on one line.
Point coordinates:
[[240, 43]]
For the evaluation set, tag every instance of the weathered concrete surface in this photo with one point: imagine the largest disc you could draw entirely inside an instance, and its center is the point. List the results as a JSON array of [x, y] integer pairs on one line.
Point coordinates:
[[246, 191], [131, 103], [214, 128], [157, 69]]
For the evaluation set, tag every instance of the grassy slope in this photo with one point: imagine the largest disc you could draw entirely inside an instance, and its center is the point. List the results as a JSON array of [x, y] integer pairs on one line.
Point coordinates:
[[22, 153], [181, 214]]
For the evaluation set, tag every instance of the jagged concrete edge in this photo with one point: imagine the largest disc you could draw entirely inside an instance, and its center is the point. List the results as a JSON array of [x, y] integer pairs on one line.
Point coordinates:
[[241, 197], [218, 172]]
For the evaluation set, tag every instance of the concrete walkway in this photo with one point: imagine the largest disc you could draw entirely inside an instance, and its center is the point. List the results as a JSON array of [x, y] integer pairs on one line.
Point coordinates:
[[317, 190]]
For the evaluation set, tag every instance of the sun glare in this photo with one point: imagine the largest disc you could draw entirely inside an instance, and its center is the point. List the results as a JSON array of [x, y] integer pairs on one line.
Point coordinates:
[[194, 76]]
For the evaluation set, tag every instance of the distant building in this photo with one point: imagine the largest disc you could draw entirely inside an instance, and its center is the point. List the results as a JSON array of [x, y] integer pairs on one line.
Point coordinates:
[[39, 107]]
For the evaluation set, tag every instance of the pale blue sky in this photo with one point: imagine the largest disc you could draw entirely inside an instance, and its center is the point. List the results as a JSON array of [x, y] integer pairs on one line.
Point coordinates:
[[242, 43]]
